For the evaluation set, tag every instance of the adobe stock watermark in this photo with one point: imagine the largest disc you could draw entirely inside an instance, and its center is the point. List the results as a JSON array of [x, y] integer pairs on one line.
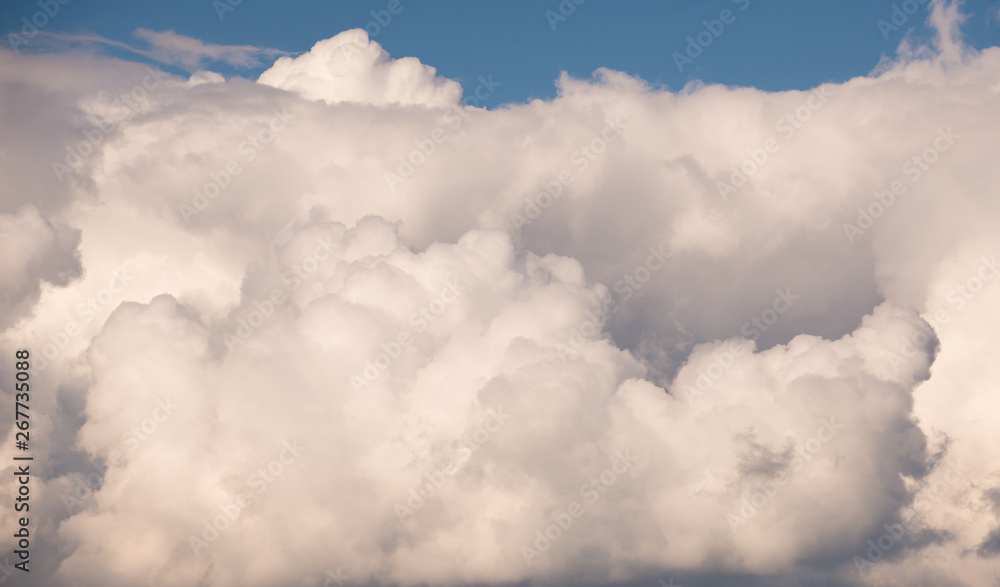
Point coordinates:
[[38, 21], [259, 482], [131, 439], [958, 296], [781, 303], [427, 146], [914, 168], [86, 312], [899, 16], [338, 578], [757, 157], [299, 274], [563, 11], [581, 159], [713, 29], [630, 283], [6, 569], [222, 7], [77, 154], [591, 491], [249, 149], [879, 546], [962, 293], [417, 496], [911, 346], [420, 319], [803, 453]]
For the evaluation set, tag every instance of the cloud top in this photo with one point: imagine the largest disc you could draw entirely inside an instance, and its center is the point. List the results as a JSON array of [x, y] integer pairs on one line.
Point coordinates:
[[351, 68]]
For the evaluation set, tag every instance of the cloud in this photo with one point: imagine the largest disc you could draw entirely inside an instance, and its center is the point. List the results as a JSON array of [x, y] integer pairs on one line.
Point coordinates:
[[37, 252], [334, 320], [351, 68], [170, 48], [496, 347], [174, 49], [990, 546]]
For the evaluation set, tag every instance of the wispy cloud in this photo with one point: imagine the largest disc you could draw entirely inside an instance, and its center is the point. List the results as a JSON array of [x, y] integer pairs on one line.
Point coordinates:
[[171, 48]]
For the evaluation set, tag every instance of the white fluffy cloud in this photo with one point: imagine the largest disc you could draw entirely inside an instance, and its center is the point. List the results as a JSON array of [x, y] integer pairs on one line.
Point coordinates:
[[351, 68], [299, 327]]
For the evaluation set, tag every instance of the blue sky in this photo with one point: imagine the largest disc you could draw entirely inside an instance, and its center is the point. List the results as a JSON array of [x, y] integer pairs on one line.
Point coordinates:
[[785, 44]]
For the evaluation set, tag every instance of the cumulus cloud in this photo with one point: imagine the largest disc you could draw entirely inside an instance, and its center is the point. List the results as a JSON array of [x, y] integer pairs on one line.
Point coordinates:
[[333, 323], [351, 68]]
